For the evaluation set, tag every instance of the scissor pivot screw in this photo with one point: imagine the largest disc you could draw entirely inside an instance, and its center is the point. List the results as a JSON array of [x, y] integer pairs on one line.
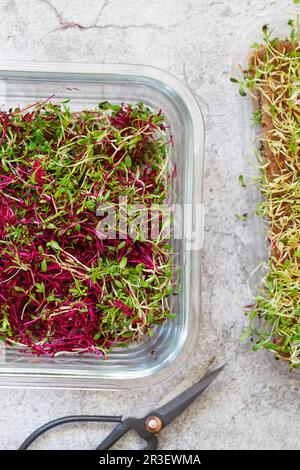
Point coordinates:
[[154, 424]]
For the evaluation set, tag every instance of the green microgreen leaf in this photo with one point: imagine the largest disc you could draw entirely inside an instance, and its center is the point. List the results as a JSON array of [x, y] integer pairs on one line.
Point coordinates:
[[44, 266], [123, 263], [242, 181]]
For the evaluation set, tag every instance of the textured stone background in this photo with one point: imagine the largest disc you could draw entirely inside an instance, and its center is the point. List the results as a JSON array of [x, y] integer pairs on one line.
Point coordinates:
[[253, 404]]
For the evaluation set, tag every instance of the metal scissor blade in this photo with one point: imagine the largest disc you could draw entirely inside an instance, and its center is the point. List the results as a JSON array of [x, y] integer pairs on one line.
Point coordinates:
[[175, 407]]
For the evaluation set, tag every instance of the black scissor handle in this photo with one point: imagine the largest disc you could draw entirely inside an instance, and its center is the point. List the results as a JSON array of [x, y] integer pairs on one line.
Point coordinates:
[[66, 420], [123, 428]]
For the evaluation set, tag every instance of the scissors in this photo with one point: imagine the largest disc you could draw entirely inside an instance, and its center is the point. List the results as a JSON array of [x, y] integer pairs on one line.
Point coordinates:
[[147, 427]]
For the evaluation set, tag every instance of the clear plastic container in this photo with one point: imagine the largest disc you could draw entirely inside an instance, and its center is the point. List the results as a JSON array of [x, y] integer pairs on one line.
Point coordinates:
[[250, 34], [151, 361]]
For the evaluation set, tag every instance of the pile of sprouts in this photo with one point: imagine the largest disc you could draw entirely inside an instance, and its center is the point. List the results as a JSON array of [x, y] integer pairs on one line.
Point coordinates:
[[273, 80], [63, 287]]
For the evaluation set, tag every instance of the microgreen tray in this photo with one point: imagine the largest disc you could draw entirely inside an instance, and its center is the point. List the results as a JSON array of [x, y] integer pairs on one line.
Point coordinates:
[[250, 36], [160, 356]]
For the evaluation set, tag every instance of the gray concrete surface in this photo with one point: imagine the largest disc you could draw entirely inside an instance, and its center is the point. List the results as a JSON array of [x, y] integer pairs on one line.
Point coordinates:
[[252, 405]]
